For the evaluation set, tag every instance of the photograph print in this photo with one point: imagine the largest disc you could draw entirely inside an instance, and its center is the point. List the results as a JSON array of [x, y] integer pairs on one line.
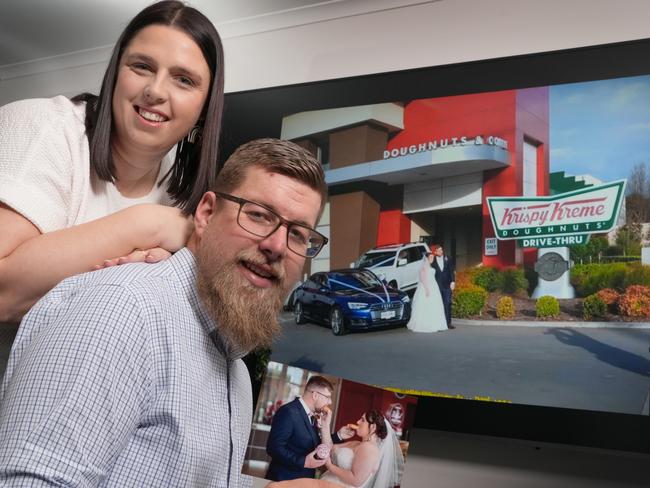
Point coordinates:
[[322, 431], [485, 246]]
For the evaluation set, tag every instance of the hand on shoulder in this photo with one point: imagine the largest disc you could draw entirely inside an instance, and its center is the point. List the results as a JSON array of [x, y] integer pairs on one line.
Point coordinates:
[[153, 255]]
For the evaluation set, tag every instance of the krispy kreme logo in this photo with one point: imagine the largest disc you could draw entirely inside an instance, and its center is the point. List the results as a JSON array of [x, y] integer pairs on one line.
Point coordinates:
[[592, 210], [558, 212]]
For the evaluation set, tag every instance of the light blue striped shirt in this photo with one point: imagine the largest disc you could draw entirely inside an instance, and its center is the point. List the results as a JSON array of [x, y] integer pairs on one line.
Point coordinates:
[[118, 378]]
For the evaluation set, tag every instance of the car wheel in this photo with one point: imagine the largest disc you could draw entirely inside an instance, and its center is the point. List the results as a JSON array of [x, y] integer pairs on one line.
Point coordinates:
[[298, 314], [337, 322]]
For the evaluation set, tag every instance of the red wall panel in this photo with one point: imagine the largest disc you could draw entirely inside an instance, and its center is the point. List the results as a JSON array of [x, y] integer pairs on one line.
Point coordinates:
[[394, 227], [512, 115]]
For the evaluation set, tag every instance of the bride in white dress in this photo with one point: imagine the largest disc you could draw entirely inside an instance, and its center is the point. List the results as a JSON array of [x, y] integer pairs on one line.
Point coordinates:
[[427, 309], [374, 462]]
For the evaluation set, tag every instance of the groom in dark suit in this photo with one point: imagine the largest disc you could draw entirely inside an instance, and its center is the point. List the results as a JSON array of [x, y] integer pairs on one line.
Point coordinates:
[[295, 434], [446, 279]]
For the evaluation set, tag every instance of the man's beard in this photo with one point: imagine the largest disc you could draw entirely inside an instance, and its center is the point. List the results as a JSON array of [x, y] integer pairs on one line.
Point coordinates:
[[246, 315]]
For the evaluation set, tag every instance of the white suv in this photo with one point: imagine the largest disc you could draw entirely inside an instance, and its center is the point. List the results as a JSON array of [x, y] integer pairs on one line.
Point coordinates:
[[397, 264]]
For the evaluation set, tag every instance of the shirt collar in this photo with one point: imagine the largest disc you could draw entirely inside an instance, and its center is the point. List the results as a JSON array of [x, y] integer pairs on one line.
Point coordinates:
[[304, 405], [184, 264]]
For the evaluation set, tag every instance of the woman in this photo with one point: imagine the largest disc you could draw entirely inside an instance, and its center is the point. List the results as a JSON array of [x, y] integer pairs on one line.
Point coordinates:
[[427, 309], [87, 180], [374, 462]]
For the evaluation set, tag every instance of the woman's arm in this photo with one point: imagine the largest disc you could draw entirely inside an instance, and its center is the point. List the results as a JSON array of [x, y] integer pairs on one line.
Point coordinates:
[[325, 427], [32, 263], [365, 460], [350, 444]]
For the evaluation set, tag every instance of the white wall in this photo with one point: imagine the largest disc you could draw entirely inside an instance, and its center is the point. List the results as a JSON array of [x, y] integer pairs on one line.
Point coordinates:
[[449, 460], [337, 39]]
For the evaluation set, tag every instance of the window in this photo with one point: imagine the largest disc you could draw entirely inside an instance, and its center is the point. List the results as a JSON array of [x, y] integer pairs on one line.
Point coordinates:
[[322, 281], [414, 254], [377, 259], [310, 283], [529, 187]]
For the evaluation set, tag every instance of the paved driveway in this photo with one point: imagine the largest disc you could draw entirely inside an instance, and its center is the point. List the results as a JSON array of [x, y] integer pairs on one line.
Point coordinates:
[[605, 369]]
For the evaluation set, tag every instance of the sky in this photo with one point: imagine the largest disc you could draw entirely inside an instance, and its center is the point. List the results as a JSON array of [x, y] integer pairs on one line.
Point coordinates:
[[600, 128]]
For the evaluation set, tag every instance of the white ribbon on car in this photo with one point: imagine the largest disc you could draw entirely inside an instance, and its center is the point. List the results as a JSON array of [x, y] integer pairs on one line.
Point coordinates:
[[352, 287], [380, 263]]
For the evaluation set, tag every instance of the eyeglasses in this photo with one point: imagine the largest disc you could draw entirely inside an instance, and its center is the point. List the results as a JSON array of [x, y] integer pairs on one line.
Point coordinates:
[[261, 221], [329, 397]]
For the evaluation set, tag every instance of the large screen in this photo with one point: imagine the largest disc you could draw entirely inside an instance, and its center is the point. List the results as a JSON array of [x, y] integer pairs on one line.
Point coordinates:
[[411, 159]]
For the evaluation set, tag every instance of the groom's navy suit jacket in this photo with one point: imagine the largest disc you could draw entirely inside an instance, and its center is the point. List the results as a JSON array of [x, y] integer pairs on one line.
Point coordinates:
[[447, 275], [444, 278], [292, 437]]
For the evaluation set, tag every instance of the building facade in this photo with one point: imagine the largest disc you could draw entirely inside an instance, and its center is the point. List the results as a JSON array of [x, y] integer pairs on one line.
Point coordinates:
[[421, 171]]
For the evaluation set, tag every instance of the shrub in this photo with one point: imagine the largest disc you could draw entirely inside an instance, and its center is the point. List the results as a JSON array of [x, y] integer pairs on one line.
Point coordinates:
[[610, 298], [488, 278], [593, 307], [578, 277], [505, 308], [607, 276], [637, 274], [547, 307], [589, 278], [513, 280], [465, 278], [635, 302], [467, 301], [510, 280], [533, 279]]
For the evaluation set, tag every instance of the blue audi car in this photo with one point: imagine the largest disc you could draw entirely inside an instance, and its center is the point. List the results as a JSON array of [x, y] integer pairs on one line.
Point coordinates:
[[350, 299]]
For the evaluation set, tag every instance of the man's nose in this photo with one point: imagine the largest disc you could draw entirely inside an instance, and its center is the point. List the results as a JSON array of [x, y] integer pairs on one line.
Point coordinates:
[[275, 245]]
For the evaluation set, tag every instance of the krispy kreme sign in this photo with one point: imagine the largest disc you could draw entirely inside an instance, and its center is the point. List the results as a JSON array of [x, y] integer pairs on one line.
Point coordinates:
[[587, 211]]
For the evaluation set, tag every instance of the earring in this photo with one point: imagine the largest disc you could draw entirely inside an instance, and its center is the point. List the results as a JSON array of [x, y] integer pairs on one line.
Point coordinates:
[[195, 134]]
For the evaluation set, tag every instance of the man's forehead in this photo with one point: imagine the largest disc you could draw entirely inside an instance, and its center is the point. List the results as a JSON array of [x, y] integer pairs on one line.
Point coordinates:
[[288, 196]]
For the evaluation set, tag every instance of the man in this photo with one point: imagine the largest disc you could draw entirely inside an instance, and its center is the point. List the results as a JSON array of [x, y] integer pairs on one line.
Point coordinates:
[[132, 375], [295, 433], [445, 277]]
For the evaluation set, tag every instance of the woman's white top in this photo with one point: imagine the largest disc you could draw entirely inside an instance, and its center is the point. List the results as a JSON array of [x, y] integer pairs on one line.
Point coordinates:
[[45, 166]]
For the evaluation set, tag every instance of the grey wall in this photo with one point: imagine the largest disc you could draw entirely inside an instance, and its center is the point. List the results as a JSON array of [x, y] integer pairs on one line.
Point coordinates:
[[448, 460]]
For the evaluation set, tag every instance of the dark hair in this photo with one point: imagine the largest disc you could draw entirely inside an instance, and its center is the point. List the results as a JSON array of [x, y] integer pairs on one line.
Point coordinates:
[[195, 165], [376, 418], [319, 382], [275, 156]]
